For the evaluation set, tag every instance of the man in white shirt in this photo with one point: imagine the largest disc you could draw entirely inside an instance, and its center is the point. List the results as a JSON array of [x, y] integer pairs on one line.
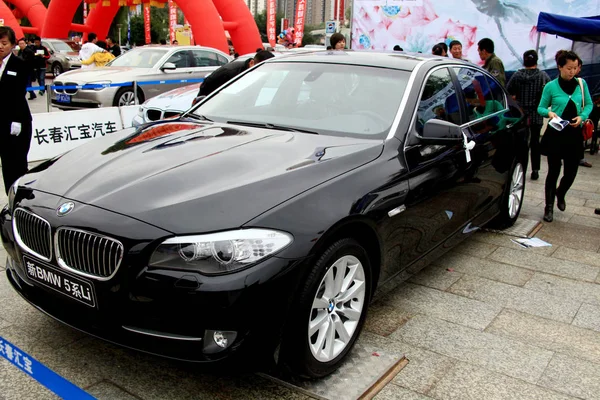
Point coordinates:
[[89, 48]]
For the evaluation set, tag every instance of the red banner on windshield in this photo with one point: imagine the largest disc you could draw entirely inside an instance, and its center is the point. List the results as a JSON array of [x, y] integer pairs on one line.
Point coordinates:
[[271, 22]]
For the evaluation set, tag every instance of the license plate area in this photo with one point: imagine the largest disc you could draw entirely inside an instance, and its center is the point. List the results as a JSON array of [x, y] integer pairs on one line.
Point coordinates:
[[66, 284], [63, 98]]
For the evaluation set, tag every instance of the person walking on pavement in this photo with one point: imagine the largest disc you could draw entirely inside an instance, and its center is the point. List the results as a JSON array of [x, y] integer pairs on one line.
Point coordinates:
[[526, 86], [566, 97], [41, 55], [26, 53], [15, 123], [492, 63]]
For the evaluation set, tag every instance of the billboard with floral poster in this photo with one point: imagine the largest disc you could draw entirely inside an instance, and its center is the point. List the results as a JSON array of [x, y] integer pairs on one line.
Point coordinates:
[[417, 25]]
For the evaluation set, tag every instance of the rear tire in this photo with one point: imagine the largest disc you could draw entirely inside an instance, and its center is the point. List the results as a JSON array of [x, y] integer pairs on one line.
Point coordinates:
[[512, 200], [329, 311], [57, 69]]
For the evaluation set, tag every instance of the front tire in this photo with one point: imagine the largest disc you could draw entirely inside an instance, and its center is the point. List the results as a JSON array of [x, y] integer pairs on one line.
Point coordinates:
[[329, 312], [125, 97], [512, 200]]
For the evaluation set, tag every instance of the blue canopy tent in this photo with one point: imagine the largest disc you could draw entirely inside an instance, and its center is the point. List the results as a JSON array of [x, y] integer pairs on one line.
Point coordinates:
[[584, 32], [577, 29]]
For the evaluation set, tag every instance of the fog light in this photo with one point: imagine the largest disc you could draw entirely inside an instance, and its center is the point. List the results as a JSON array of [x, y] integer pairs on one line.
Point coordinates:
[[217, 341]]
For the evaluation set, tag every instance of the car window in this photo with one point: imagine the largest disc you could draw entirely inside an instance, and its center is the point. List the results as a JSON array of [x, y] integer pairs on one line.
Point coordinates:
[[356, 101], [222, 60], [205, 58], [479, 100], [63, 47], [181, 59], [439, 100], [497, 91], [139, 58]]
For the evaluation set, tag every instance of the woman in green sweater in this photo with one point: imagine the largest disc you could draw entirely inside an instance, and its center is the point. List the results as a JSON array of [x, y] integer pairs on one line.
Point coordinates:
[[565, 97]]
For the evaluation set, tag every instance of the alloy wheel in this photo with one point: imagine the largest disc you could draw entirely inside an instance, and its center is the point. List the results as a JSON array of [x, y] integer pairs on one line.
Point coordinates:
[[57, 70], [337, 309], [517, 188], [127, 99]]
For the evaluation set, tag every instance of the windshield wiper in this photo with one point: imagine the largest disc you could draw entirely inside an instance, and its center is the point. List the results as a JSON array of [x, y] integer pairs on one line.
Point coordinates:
[[197, 116], [272, 126]]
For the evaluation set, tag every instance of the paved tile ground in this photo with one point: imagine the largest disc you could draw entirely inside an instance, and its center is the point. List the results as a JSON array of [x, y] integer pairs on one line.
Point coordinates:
[[490, 320]]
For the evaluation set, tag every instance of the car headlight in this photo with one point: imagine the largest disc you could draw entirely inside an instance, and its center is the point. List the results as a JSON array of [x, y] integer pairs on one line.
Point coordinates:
[[98, 83], [219, 253], [73, 58]]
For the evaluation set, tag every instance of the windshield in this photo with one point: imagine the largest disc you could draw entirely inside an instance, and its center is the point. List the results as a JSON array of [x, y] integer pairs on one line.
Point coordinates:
[[139, 58], [65, 47], [330, 99]]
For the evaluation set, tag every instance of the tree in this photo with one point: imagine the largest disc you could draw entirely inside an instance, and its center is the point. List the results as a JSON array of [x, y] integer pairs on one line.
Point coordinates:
[[261, 23]]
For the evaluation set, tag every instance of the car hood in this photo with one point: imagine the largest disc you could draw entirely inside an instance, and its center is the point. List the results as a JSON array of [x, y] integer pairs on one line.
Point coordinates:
[[190, 177], [113, 74], [179, 99]]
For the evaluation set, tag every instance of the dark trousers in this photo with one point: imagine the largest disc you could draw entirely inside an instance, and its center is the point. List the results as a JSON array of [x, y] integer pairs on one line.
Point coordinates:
[[534, 144], [29, 82], [41, 77], [13, 154], [570, 172]]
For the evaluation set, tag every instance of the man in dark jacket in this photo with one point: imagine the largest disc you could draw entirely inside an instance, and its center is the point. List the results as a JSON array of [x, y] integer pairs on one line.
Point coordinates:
[[492, 63], [27, 55], [41, 55], [526, 86], [112, 47], [231, 70], [15, 123]]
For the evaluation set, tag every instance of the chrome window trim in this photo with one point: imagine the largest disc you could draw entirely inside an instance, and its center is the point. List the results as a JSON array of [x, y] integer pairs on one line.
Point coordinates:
[[404, 101], [19, 240], [65, 266]]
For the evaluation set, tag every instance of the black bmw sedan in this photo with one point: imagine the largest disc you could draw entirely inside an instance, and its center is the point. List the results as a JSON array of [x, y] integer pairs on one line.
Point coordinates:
[[263, 220]]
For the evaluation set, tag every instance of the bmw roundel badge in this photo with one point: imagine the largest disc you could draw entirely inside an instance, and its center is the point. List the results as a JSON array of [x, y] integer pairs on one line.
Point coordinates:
[[65, 208]]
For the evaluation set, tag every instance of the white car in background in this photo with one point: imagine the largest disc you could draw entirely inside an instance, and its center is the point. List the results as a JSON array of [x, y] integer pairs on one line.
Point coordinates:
[[147, 65], [167, 105]]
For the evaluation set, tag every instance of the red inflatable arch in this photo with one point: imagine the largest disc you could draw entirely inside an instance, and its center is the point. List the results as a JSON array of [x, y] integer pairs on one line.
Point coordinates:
[[9, 19], [35, 12], [209, 20]]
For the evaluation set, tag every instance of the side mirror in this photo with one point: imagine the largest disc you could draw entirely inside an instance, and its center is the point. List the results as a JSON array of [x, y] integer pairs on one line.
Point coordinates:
[[197, 100], [51, 51], [168, 66], [437, 131]]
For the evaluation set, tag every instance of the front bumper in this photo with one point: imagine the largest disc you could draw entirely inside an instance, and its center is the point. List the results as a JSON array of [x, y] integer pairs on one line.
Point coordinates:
[[86, 98], [166, 312]]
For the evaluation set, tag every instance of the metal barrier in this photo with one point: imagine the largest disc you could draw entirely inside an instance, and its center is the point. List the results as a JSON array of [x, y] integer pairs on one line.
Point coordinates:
[[135, 84]]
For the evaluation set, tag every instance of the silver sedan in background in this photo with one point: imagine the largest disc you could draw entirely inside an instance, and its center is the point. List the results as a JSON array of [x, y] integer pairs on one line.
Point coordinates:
[[142, 64]]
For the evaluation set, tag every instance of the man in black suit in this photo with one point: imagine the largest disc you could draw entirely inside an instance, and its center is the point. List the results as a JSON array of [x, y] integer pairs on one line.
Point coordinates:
[[15, 119]]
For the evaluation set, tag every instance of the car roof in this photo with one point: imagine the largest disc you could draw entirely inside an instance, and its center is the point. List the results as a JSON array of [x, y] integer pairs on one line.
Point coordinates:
[[394, 60]]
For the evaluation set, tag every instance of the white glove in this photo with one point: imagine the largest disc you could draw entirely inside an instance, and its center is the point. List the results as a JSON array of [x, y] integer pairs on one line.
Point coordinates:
[[15, 128]]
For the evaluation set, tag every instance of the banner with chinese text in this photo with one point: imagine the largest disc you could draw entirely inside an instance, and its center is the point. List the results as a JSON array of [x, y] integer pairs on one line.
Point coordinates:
[[147, 23], [172, 20], [271, 22], [299, 23]]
